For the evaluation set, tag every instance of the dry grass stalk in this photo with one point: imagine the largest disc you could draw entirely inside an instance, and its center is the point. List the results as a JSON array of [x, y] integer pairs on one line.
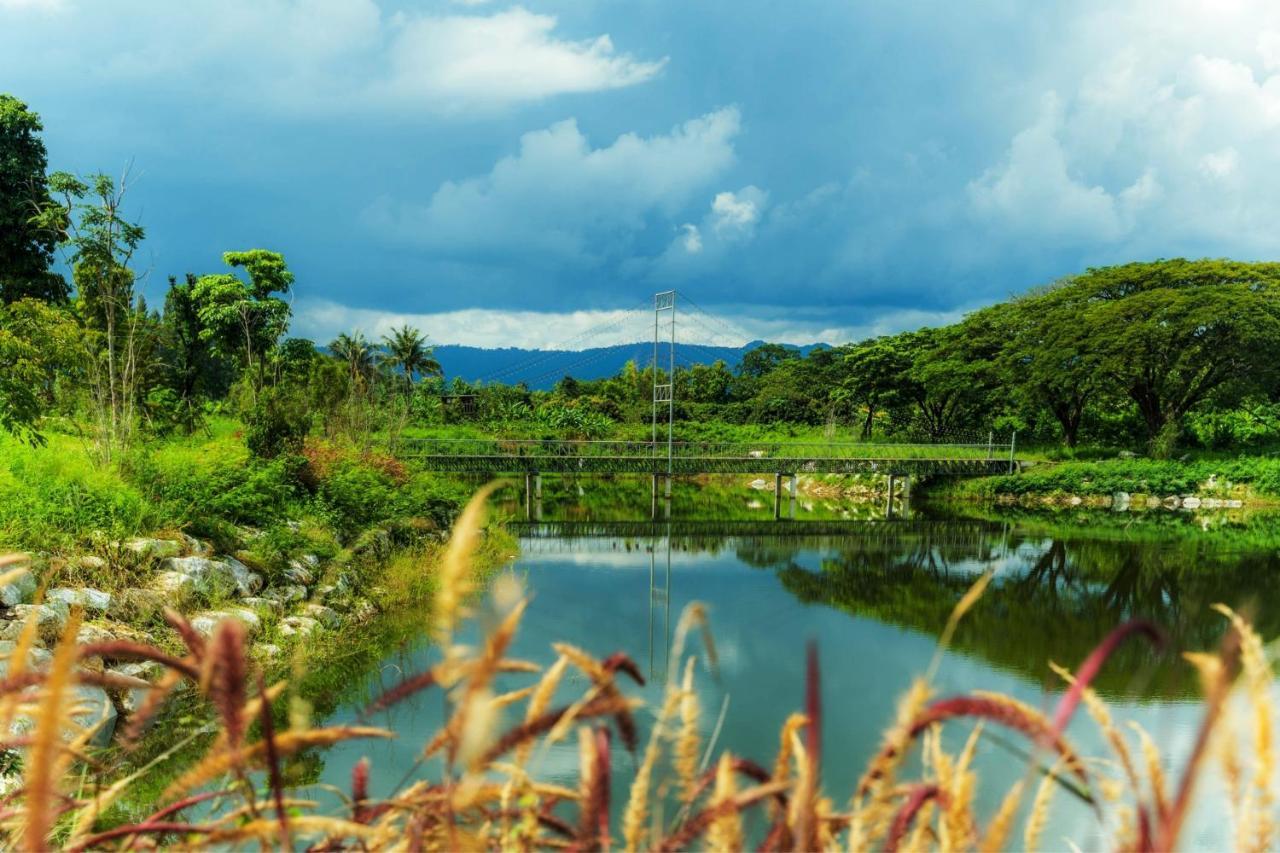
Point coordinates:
[[686, 752], [47, 762]]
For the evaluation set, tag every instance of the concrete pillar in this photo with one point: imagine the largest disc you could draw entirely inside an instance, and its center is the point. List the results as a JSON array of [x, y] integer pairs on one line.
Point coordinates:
[[653, 508], [537, 486], [888, 503], [528, 497], [668, 491], [794, 489], [777, 495]]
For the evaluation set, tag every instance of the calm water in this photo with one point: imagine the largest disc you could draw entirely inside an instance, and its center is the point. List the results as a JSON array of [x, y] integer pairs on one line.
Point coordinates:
[[874, 594]]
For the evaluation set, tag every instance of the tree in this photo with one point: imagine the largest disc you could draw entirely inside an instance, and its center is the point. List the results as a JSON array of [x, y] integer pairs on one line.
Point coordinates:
[[246, 317], [1050, 356], [193, 370], [89, 219], [37, 341], [356, 352], [26, 244], [408, 352], [760, 360], [876, 376], [1171, 348]]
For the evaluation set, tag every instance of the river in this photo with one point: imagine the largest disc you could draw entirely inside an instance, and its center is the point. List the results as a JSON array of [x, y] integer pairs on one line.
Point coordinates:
[[874, 593]]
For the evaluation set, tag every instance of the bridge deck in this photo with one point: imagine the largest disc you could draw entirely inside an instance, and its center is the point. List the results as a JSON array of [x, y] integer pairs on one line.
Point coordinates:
[[485, 456]]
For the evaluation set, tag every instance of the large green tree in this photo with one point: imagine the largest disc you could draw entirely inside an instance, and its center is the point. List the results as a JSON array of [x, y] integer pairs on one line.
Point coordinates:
[[246, 318], [1174, 334], [26, 245]]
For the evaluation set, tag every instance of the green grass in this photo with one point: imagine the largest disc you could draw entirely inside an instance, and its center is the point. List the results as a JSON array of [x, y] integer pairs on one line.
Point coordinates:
[[1207, 477]]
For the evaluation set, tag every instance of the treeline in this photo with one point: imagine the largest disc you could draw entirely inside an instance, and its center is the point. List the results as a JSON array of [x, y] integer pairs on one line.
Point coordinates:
[[1148, 356]]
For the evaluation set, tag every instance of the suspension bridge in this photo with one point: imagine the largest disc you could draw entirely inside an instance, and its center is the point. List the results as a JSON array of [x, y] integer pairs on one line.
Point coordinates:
[[662, 458]]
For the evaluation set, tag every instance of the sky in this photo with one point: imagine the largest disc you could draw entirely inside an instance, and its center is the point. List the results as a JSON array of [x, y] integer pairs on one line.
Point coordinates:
[[508, 174]]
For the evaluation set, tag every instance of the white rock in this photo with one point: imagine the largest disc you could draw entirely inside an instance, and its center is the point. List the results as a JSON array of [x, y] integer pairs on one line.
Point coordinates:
[[759, 484], [90, 633], [247, 581], [1191, 502], [298, 626], [209, 574], [51, 618], [269, 605], [298, 573], [326, 616], [132, 698], [20, 590], [157, 549], [86, 597], [1120, 501], [286, 594], [92, 562], [756, 454], [173, 584], [206, 623], [269, 651]]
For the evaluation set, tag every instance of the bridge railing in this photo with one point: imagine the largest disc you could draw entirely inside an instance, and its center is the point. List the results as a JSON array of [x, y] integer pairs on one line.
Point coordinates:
[[532, 448]]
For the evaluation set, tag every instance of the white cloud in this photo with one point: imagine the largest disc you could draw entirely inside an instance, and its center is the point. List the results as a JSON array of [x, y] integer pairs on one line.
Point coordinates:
[[730, 221], [322, 56], [558, 196], [322, 320], [734, 215], [1155, 135], [508, 56]]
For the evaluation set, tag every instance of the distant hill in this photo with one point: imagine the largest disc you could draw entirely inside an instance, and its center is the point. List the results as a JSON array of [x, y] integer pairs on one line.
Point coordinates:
[[542, 369]]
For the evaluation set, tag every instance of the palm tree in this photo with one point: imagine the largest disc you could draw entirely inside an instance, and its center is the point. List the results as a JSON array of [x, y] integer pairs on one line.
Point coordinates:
[[356, 350], [407, 350]]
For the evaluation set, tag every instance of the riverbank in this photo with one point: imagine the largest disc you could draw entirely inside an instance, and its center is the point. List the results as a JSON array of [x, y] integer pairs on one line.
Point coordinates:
[[1124, 483], [313, 553]]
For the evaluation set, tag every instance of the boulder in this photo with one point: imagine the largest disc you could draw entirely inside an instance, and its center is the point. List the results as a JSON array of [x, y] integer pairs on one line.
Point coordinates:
[[86, 597], [20, 590], [36, 657], [1171, 502], [137, 606], [90, 562], [247, 581], [91, 633], [1120, 501], [155, 549], [206, 623], [286, 594], [326, 616], [265, 605], [298, 626], [130, 699], [266, 651], [90, 707], [209, 575], [299, 574], [1191, 502], [51, 619]]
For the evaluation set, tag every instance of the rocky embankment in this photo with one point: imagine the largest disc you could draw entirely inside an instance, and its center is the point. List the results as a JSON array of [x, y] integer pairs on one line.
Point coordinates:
[[308, 597]]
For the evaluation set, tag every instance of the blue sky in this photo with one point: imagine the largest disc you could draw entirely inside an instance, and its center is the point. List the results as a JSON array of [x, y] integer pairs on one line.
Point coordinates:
[[509, 174]]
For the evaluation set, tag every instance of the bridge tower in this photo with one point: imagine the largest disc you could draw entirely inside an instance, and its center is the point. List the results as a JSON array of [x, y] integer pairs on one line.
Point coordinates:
[[664, 327]]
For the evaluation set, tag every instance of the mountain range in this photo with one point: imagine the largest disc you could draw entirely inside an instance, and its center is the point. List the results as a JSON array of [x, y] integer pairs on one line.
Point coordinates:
[[542, 369]]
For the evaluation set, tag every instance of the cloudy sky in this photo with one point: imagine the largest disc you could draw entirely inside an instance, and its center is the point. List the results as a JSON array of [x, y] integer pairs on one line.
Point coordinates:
[[512, 173]]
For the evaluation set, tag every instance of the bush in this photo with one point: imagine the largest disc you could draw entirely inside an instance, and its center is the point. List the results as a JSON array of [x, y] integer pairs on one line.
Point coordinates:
[[278, 424]]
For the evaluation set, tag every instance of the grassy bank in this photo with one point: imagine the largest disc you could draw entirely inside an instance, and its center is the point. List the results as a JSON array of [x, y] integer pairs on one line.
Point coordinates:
[[1254, 479]]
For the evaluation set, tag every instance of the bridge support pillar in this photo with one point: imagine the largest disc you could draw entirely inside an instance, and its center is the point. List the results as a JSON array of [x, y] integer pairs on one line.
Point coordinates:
[[653, 507], [794, 489], [888, 503], [528, 496], [777, 495], [537, 487]]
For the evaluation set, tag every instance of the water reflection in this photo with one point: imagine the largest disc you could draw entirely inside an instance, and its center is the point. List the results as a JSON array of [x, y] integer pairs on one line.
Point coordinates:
[[1052, 598]]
